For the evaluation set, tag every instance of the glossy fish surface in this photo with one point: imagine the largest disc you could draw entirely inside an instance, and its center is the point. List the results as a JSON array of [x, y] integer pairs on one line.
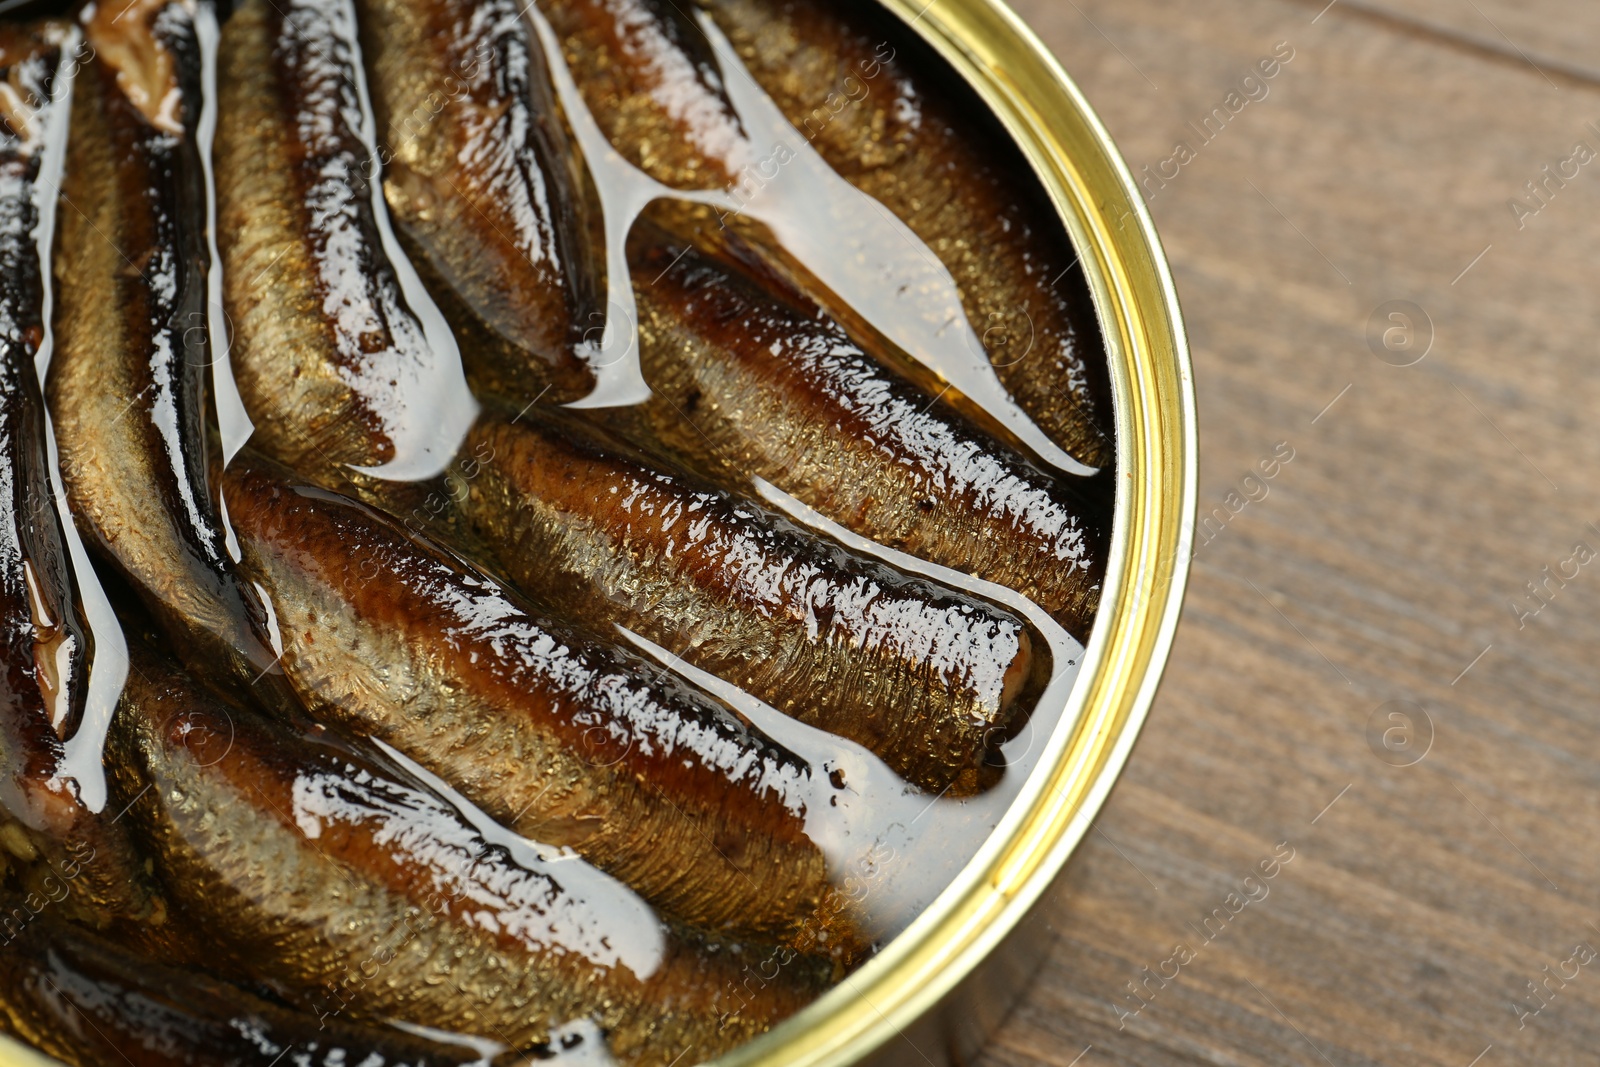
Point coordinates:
[[351, 890], [925, 677], [43, 640], [654, 87], [89, 1003], [66, 857], [325, 347], [485, 186], [128, 379], [747, 384], [568, 739], [652, 79], [568, 526], [910, 140]]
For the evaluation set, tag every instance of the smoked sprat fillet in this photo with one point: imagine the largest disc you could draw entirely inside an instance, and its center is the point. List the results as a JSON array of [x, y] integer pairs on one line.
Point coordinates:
[[567, 739], [908, 141], [925, 677], [45, 643], [88, 1002], [649, 76], [486, 188], [324, 344], [129, 376], [746, 383], [67, 856], [346, 888]]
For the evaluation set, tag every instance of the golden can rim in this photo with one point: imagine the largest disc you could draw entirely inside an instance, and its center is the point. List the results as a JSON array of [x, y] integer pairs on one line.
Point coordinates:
[[1080, 168], [1075, 159]]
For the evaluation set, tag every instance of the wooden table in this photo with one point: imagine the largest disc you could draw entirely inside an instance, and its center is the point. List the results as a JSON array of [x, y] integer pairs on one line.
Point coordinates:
[[1389, 562]]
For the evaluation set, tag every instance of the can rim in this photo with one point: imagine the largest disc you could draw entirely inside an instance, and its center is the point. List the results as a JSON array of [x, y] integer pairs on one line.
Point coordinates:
[[1093, 190]]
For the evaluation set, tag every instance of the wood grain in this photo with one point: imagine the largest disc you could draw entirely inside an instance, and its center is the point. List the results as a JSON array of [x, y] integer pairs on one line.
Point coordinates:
[[1388, 562]]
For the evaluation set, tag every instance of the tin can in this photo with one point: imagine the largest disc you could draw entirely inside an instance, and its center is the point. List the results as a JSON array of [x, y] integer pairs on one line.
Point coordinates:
[[939, 989]]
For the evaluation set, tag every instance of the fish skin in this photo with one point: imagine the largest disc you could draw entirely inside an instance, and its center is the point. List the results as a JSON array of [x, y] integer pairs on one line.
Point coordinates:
[[747, 385], [320, 328], [328, 355], [648, 76], [67, 857], [44, 644], [910, 141], [652, 84], [566, 738], [352, 891], [486, 188], [84, 867], [87, 1002], [925, 677], [127, 381]]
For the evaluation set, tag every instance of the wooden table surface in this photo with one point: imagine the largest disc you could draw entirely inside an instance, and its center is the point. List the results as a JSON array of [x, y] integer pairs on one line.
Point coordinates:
[[1430, 884]]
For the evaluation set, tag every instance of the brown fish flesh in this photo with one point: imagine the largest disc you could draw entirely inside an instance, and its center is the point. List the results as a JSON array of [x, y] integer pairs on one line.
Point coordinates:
[[566, 739], [324, 345], [748, 385], [923, 676], [89, 1003], [68, 858], [651, 79], [485, 186], [349, 889], [127, 381]]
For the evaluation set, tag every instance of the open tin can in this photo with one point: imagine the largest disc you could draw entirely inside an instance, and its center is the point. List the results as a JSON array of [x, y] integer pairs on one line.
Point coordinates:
[[937, 990]]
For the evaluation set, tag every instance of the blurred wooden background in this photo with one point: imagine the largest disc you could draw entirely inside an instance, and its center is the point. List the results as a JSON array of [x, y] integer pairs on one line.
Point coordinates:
[[1389, 561]]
